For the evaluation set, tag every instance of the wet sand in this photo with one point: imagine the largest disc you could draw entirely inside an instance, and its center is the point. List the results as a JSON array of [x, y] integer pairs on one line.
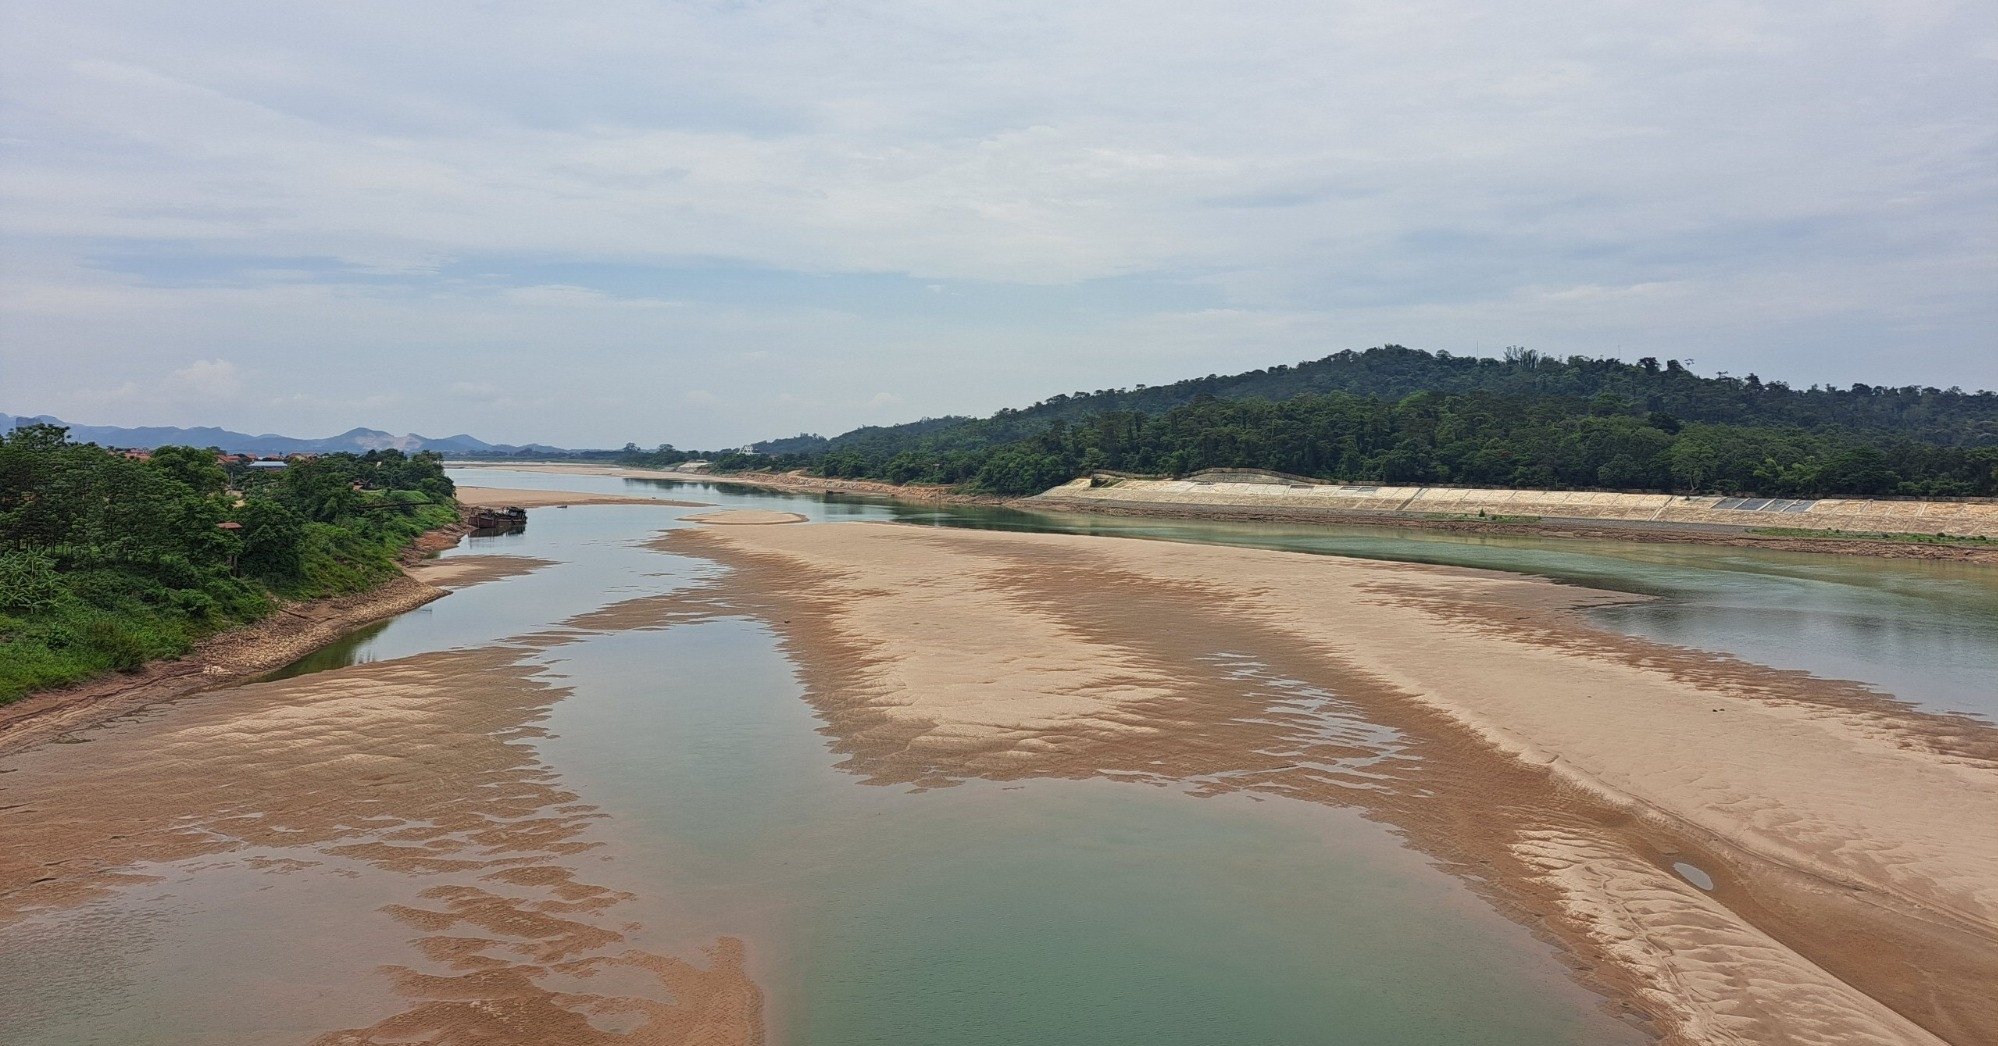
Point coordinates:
[[406, 779], [244, 653], [745, 517], [502, 497], [1562, 769], [465, 571]]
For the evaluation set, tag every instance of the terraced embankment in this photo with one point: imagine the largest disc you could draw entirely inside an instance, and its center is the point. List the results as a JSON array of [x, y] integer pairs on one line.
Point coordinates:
[[1964, 518]]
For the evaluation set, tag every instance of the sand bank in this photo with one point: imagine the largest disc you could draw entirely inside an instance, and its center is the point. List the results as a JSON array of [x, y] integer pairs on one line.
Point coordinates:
[[745, 517], [794, 482], [1563, 769], [1167, 506], [501, 497], [252, 650], [465, 571]]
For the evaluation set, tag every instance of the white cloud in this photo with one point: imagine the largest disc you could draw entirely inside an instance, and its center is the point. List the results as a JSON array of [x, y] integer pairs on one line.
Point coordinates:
[[338, 195], [204, 380]]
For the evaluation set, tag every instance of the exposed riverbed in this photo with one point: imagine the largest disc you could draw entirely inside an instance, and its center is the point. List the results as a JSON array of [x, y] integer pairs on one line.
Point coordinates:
[[670, 796]]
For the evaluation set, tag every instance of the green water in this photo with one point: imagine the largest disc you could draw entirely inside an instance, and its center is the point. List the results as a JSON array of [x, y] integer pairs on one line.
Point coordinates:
[[1043, 912], [1926, 632]]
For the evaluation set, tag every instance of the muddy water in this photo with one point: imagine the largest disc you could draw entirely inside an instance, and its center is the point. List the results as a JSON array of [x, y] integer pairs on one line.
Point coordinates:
[[660, 792]]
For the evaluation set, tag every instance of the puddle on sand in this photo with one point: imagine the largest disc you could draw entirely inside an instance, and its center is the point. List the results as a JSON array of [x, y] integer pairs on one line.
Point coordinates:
[[1694, 874]]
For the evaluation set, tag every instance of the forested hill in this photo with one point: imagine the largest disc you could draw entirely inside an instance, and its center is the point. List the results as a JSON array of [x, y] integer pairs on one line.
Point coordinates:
[[1400, 416], [1949, 417]]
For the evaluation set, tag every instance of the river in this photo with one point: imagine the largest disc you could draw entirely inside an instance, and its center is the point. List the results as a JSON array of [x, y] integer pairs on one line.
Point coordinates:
[[1046, 911]]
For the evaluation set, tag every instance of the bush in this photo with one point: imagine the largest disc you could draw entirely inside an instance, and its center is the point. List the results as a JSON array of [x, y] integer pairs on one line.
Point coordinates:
[[119, 645], [28, 581]]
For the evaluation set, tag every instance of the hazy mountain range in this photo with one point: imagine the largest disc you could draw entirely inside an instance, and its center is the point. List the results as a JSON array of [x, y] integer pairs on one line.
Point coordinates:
[[355, 440]]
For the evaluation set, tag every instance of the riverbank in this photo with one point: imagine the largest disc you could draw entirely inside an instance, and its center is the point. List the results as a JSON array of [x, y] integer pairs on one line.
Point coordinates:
[[789, 482], [1590, 784], [1725, 537], [1061, 500], [241, 654]]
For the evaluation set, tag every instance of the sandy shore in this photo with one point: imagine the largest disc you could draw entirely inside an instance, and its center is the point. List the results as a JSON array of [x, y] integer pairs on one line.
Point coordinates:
[[501, 497], [746, 517], [792, 482], [244, 653], [1054, 503], [1564, 770]]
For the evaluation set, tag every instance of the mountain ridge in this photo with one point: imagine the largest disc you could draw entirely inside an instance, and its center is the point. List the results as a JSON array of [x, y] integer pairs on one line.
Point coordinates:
[[359, 439]]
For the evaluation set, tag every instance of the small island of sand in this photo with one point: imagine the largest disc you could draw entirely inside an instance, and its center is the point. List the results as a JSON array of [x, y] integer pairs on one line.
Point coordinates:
[[745, 517]]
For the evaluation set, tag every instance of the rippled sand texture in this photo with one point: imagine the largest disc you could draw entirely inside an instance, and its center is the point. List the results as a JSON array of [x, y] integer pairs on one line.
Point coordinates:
[[1560, 768], [406, 772]]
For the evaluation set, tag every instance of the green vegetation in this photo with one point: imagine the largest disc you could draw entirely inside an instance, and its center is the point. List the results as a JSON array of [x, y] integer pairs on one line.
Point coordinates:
[[1897, 536], [1396, 415], [108, 562]]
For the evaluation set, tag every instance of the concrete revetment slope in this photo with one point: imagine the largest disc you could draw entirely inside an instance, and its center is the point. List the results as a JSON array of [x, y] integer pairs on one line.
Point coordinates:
[[1970, 517]]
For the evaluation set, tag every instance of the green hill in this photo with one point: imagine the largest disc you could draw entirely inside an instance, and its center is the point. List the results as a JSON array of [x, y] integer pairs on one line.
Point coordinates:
[[1396, 414]]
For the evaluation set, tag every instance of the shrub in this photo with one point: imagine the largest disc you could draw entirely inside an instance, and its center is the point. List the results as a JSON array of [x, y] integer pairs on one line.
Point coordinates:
[[28, 581]]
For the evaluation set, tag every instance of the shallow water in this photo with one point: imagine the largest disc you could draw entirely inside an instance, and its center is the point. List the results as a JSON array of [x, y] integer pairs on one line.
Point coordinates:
[[1923, 631], [1038, 912]]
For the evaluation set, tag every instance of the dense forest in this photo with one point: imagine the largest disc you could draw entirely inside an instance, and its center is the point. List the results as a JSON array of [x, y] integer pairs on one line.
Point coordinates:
[[1399, 415], [107, 562]]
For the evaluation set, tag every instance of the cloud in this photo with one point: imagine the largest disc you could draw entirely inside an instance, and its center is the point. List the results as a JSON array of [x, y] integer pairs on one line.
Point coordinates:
[[201, 384], [205, 380], [976, 204]]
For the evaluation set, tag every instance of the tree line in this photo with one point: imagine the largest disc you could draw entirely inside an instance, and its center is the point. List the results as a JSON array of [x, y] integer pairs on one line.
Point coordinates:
[[108, 561], [1394, 372], [1426, 438], [1398, 415]]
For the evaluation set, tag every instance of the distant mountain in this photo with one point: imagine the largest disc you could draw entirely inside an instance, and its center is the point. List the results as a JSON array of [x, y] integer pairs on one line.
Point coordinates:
[[357, 440]]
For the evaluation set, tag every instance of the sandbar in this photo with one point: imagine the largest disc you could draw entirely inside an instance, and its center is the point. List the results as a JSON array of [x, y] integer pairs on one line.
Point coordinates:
[[745, 517], [501, 497], [1849, 839]]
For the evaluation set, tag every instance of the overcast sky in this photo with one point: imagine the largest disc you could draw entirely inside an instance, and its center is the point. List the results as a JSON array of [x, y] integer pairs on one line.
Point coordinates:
[[704, 223]]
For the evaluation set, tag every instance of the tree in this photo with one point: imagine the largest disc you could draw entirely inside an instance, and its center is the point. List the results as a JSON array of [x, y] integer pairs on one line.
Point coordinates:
[[196, 469], [273, 539]]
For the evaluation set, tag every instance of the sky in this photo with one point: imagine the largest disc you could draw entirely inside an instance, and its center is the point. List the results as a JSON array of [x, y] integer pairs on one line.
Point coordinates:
[[587, 223]]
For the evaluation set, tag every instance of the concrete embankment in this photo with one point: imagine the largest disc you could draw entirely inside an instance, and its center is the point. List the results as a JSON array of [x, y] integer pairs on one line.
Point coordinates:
[[1966, 518]]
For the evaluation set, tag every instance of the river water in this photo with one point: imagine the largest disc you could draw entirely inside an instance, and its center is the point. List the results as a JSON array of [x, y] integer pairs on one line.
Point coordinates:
[[1037, 912]]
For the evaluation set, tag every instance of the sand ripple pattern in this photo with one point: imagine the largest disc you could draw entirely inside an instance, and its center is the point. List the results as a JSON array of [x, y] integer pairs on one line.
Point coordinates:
[[407, 772], [1560, 769]]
